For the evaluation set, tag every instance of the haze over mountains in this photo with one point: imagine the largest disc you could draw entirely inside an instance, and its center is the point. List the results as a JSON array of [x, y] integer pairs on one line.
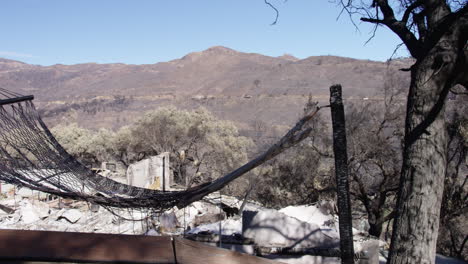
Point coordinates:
[[242, 87]]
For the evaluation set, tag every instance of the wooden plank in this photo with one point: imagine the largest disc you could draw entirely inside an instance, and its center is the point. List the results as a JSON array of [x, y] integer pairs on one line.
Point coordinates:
[[191, 252], [53, 246], [84, 247]]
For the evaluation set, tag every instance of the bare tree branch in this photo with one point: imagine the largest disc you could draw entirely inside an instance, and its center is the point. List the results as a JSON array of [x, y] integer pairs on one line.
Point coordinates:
[[421, 25], [346, 7], [396, 49], [374, 30], [435, 10], [409, 10], [398, 27], [276, 10], [402, 31], [294, 136]]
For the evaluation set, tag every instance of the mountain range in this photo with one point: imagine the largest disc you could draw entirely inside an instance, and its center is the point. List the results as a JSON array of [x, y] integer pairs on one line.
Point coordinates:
[[243, 87]]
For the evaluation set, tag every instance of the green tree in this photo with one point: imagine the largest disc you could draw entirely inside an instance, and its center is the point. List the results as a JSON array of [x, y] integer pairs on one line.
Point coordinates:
[[87, 146], [123, 146], [76, 141], [101, 145], [201, 147]]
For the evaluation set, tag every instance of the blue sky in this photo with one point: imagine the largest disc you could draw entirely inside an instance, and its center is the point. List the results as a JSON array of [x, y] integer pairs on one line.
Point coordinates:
[[50, 32]]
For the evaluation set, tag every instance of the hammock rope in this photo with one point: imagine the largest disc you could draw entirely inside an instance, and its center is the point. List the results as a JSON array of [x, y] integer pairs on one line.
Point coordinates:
[[31, 157]]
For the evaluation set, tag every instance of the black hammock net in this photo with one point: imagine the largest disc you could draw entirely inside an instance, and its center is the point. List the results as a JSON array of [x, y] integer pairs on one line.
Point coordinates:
[[31, 157]]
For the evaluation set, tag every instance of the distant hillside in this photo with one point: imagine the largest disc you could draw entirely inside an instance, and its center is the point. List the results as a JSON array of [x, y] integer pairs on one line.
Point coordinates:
[[243, 87]]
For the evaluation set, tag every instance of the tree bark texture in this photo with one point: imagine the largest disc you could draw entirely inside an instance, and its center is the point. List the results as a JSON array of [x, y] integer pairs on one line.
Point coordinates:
[[421, 187], [341, 172]]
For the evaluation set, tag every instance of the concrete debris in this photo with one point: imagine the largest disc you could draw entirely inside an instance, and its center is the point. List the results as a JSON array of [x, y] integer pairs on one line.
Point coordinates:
[[304, 259], [151, 173], [208, 218], [270, 228], [216, 217], [200, 212], [24, 193], [308, 213], [28, 213], [228, 227], [42, 209], [168, 222], [186, 215], [31, 214], [152, 232], [206, 208]]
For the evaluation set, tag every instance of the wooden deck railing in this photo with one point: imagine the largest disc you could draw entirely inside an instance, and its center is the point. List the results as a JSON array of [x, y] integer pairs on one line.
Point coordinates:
[[22, 245]]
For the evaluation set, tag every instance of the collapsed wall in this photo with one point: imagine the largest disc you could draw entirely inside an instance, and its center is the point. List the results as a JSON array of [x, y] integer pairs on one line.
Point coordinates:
[[151, 173]]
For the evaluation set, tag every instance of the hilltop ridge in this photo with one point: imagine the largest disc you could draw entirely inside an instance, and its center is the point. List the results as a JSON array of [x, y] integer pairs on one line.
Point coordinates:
[[226, 76]]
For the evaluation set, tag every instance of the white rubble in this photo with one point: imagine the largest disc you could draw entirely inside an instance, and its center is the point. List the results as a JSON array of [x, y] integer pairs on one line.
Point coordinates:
[[28, 213], [32, 214], [24, 193], [270, 228], [152, 232], [6, 188], [186, 215], [42, 209], [71, 215], [307, 213], [305, 259], [197, 213], [228, 227], [299, 226]]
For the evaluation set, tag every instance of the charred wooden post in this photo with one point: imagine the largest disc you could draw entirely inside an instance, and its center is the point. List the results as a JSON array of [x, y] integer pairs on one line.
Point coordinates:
[[341, 172]]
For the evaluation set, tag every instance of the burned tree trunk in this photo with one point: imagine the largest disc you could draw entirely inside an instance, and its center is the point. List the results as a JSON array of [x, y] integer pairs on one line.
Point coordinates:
[[422, 177], [341, 171], [421, 187]]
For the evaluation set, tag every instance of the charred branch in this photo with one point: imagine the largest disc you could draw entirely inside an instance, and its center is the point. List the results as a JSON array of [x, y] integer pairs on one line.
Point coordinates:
[[435, 11], [276, 11], [410, 10], [419, 20], [398, 27]]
